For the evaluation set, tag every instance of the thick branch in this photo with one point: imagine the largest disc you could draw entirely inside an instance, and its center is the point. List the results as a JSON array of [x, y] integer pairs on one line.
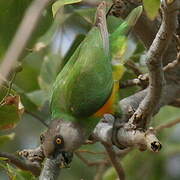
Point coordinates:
[[26, 166], [51, 169], [27, 26], [154, 63], [125, 138]]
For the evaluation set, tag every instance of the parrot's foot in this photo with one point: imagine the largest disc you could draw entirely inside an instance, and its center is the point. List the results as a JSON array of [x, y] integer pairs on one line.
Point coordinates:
[[129, 126], [116, 126], [66, 159], [33, 155]]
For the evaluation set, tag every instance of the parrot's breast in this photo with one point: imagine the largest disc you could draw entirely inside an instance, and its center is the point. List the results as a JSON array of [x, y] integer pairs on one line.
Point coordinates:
[[109, 106], [84, 85]]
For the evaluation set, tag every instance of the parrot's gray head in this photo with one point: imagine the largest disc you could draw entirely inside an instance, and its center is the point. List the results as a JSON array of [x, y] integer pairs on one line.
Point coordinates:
[[62, 136]]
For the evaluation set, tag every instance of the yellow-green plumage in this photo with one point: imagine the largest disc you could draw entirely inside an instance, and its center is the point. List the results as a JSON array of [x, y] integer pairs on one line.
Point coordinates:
[[85, 83]]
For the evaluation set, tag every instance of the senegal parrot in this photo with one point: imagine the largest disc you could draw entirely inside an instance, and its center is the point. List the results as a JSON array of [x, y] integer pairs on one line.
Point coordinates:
[[86, 87]]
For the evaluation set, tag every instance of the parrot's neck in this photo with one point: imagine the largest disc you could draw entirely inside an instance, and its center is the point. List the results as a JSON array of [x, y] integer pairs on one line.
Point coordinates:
[[85, 123]]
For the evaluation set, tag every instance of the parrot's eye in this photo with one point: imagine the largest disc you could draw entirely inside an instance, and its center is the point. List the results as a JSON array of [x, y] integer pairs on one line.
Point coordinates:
[[59, 140]]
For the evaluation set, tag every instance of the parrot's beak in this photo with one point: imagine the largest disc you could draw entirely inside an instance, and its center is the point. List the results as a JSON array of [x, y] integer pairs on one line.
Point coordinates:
[[64, 158]]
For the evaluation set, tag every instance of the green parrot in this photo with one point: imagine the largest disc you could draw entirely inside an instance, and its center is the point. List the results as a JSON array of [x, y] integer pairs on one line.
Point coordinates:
[[86, 87]]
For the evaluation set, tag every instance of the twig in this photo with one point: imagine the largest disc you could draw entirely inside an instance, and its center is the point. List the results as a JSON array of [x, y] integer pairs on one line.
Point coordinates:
[[88, 163], [37, 117], [134, 67], [143, 79], [100, 171], [90, 152], [115, 161], [154, 63], [123, 152], [167, 125], [171, 65], [27, 26], [9, 89], [130, 83], [26, 166]]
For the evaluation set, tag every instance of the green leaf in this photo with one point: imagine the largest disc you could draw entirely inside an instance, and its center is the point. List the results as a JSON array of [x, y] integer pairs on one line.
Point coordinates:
[[17, 174], [5, 138], [3, 159], [87, 13], [27, 79], [10, 111], [3, 92], [58, 4], [11, 14], [48, 38], [11, 108], [151, 7], [110, 174], [49, 71], [38, 97], [9, 116]]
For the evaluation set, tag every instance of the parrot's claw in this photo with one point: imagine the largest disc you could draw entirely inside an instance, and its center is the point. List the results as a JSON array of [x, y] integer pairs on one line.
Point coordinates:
[[116, 126], [33, 155], [129, 126]]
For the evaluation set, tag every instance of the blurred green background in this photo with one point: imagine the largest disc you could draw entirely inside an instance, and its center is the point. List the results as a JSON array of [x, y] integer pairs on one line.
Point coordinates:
[[52, 43]]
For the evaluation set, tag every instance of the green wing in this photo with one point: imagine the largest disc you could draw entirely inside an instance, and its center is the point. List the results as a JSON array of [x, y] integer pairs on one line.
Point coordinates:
[[85, 83], [118, 39]]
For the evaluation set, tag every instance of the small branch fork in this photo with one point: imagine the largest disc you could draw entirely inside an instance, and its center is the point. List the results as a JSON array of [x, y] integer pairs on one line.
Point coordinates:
[[103, 133], [125, 138], [143, 79], [146, 108]]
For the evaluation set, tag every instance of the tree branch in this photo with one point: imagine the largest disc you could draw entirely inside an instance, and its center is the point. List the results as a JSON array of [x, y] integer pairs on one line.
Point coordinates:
[[130, 64], [125, 138], [154, 63], [100, 172], [115, 161], [131, 82], [34, 168], [167, 125], [51, 169], [27, 26], [88, 163]]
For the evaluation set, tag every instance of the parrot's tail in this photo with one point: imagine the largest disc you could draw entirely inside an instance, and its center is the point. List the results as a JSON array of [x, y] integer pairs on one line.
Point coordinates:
[[133, 17], [102, 25]]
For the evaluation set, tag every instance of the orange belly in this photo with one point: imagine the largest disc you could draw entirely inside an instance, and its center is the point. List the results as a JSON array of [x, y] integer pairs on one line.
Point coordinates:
[[109, 106]]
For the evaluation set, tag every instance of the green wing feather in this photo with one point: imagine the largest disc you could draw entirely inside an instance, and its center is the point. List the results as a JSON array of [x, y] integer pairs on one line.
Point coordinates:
[[85, 83], [119, 43], [118, 39]]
